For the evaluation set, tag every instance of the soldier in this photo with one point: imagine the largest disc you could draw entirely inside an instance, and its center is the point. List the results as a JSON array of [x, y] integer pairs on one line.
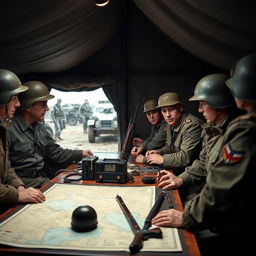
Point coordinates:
[[226, 204], [217, 105], [58, 118], [32, 149], [85, 113], [183, 141], [12, 190], [157, 136]]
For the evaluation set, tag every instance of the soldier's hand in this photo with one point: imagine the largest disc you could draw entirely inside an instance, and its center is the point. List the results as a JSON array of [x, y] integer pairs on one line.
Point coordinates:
[[30, 195], [169, 180], [151, 152], [168, 218], [87, 152], [155, 159], [137, 142], [139, 159]]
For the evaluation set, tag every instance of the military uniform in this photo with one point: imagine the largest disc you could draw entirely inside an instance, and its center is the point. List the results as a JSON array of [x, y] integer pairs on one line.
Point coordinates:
[[58, 118], [194, 176], [156, 139], [225, 204], [31, 147], [183, 142], [9, 181], [85, 113]]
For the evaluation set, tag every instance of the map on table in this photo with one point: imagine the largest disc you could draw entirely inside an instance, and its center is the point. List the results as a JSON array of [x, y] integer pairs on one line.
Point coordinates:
[[48, 225]]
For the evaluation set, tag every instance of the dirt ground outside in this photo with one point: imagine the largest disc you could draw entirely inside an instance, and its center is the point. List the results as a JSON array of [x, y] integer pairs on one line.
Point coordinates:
[[74, 138]]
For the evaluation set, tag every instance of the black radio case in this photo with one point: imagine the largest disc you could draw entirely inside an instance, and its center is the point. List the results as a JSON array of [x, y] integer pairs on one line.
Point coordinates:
[[111, 170]]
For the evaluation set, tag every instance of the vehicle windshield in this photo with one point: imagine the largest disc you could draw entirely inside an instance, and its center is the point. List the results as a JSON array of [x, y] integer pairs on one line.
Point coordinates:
[[103, 110]]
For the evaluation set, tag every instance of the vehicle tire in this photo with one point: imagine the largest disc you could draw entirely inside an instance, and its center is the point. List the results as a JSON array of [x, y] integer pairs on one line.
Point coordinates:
[[91, 135], [72, 120]]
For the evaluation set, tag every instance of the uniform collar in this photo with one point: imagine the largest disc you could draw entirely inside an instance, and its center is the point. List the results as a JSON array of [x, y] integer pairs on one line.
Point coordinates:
[[180, 123], [21, 122]]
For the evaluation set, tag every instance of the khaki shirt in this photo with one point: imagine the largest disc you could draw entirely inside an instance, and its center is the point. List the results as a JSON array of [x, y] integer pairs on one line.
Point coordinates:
[[194, 176], [227, 200], [9, 181], [183, 142], [157, 137], [31, 146]]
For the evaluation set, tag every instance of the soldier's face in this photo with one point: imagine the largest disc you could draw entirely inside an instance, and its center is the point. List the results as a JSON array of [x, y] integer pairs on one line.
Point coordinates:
[[172, 114], [153, 116], [210, 114], [8, 112], [38, 110], [240, 104], [12, 105]]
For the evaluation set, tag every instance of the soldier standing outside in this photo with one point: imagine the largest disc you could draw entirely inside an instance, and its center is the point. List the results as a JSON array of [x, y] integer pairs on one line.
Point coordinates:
[[183, 141], [157, 136], [12, 189], [34, 154], [226, 204], [85, 113], [58, 118]]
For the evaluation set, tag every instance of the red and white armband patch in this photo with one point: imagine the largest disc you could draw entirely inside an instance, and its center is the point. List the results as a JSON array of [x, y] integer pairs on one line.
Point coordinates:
[[232, 156]]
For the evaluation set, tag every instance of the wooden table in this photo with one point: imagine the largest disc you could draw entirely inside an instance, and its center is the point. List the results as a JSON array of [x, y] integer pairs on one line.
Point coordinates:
[[188, 239]]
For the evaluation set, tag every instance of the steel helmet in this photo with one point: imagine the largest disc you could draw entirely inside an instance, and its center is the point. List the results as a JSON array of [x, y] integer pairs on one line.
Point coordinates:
[[213, 90], [37, 91], [84, 218], [9, 85], [150, 105], [168, 99], [243, 82]]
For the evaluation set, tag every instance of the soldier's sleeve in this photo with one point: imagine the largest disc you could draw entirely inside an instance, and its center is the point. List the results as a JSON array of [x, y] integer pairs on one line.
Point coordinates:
[[56, 154], [196, 172], [147, 140], [228, 183], [8, 191], [159, 138], [188, 150]]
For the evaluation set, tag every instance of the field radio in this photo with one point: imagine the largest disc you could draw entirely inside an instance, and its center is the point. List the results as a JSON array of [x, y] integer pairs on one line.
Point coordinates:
[[88, 167], [111, 170]]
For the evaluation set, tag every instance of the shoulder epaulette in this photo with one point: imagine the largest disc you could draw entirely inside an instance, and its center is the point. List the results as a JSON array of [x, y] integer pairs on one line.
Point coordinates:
[[243, 117], [188, 120]]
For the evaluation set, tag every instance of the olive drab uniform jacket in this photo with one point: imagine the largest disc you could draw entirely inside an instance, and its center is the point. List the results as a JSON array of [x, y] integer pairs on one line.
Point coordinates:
[[9, 181], [227, 201], [183, 142], [194, 176], [31, 147], [157, 137]]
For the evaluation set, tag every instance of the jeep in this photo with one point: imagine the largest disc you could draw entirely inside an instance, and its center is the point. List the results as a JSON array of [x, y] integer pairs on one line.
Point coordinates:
[[102, 121]]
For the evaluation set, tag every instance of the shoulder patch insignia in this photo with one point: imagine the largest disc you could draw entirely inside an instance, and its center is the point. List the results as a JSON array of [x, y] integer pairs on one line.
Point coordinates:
[[188, 120], [231, 156]]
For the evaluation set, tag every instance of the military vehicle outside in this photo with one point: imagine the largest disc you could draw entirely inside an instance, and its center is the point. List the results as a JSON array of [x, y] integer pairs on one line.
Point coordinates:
[[72, 113], [102, 121]]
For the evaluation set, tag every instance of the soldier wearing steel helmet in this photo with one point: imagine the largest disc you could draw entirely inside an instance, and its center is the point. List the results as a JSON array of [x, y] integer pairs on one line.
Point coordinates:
[[217, 105], [32, 149], [157, 135], [12, 189], [183, 142], [226, 204]]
